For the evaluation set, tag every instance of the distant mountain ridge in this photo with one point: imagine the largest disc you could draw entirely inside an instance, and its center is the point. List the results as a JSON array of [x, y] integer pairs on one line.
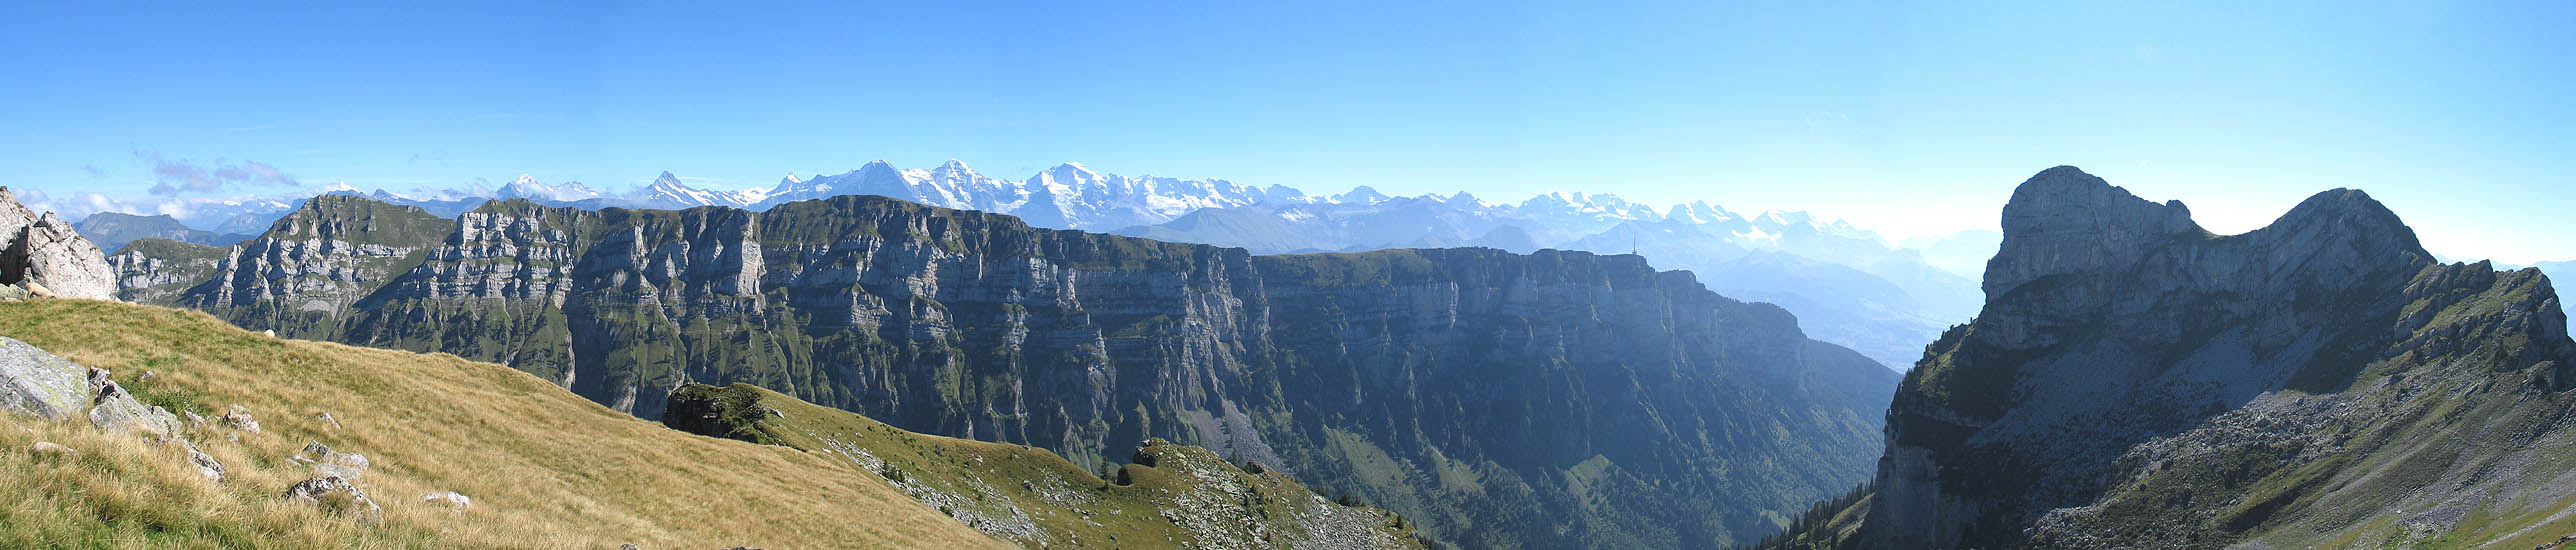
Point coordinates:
[[1847, 285], [1835, 276], [111, 230]]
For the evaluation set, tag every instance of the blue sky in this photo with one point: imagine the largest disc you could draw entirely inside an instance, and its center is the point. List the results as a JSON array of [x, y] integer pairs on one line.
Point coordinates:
[[1908, 118]]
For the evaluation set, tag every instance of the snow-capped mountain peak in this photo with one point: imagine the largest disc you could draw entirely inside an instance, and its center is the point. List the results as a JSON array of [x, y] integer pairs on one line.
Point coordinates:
[[1070, 173], [668, 192], [1579, 204], [1360, 195], [527, 187], [1284, 194], [1701, 212]]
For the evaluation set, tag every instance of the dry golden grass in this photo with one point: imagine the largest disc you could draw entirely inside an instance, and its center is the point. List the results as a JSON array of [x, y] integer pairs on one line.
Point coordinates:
[[546, 468]]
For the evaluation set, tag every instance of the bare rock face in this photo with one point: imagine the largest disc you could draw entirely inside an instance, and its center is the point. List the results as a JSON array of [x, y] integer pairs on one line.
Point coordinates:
[[157, 271], [2064, 221], [306, 270], [38, 383], [44, 251], [2134, 381]]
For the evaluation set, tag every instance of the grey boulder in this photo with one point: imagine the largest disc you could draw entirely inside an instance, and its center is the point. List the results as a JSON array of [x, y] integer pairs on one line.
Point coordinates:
[[112, 409], [37, 383], [240, 419], [329, 463], [206, 464], [336, 494]]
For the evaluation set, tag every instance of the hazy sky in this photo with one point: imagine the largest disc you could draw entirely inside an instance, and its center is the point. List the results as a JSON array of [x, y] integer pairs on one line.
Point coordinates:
[[1905, 118]]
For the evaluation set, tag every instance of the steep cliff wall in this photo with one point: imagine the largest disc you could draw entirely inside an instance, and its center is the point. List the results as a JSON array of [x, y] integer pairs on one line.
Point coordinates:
[[1552, 399], [298, 278]]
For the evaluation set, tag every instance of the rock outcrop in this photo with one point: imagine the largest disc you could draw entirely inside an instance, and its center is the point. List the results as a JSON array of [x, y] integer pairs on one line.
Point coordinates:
[[1395, 376], [240, 419], [34, 382], [158, 271], [326, 462], [38, 383], [111, 408], [337, 496], [2136, 382], [42, 251], [205, 463], [300, 276]]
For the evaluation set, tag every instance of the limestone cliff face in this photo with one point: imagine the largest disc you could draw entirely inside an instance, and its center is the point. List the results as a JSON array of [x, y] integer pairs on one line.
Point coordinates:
[[2135, 381], [158, 271], [1553, 399], [45, 250], [302, 275]]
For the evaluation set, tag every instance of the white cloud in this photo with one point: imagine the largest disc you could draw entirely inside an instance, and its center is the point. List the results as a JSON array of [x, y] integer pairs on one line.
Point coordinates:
[[180, 176]]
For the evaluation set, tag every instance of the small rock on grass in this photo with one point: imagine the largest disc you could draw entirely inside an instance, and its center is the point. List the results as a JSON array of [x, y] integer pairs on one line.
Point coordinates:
[[205, 463], [49, 448], [336, 492], [239, 417], [327, 462], [450, 499]]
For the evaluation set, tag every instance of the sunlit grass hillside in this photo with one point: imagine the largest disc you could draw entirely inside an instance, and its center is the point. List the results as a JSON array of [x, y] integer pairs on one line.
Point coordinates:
[[1171, 496], [545, 468]]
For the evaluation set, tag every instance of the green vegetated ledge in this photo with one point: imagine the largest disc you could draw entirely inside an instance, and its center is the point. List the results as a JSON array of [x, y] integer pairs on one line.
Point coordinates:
[[1169, 496]]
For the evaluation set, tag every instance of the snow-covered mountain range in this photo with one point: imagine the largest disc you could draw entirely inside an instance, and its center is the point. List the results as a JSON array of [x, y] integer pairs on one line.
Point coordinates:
[[1066, 196]]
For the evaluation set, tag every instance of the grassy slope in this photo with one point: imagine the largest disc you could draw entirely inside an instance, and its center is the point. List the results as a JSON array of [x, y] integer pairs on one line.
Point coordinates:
[[1188, 497], [546, 468]]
